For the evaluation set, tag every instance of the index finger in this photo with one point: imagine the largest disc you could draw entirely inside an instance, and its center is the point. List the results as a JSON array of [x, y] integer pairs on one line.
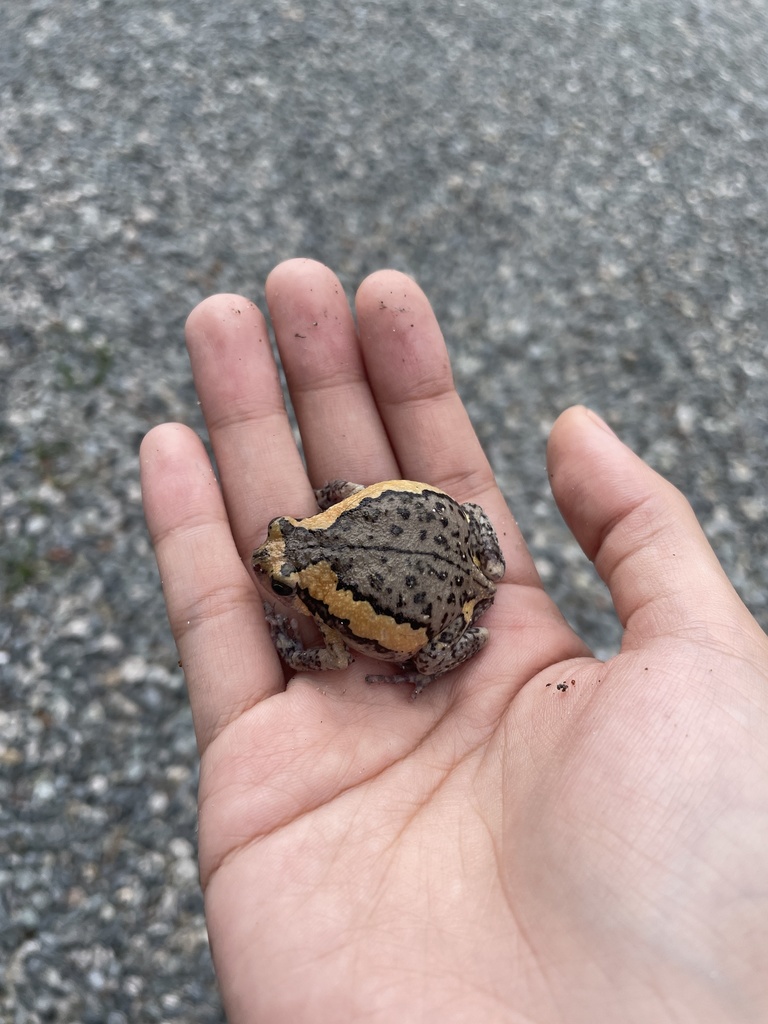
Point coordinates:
[[238, 385], [213, 606]]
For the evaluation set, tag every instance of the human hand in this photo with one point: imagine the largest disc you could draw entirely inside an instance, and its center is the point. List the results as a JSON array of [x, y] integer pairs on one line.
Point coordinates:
[[496, 850]]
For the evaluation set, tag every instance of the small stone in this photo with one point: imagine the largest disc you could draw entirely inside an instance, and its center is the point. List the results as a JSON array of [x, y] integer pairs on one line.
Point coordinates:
[[43, 791], [76, 629], [158, 803], [133, 669]]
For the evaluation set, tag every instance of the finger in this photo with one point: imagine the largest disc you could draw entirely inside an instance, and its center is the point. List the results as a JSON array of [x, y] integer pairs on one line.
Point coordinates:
[[342, 433], [213, 607], [426, 422], [640, 532], [239, 389]]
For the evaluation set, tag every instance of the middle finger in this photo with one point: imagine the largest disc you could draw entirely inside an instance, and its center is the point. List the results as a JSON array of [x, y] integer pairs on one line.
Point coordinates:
[[341, 429]]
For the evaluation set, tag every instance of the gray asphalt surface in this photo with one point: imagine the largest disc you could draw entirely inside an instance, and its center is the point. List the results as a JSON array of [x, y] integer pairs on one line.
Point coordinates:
[[580, 187]]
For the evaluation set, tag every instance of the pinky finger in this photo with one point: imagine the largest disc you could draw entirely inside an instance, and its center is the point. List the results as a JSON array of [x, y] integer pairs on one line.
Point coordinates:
[[213, 606]]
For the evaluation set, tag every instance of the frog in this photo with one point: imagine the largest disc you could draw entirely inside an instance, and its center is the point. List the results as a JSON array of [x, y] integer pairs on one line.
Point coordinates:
[[397, 570]]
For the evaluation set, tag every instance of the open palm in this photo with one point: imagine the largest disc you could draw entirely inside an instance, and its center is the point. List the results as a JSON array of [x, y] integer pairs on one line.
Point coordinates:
[[503, 848]]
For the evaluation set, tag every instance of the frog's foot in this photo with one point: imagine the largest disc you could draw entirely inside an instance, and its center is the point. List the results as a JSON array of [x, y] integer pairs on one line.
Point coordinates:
[[290, 647], [335, 491], [415, 679]]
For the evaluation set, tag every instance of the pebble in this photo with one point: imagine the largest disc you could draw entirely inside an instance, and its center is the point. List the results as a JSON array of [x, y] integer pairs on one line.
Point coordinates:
[[585, 210]]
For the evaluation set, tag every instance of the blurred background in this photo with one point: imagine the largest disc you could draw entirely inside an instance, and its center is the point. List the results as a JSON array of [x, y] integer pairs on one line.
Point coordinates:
[[580, 188]]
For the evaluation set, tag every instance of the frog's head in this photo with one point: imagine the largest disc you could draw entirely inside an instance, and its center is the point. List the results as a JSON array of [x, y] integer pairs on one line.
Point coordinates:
[[270, 559]]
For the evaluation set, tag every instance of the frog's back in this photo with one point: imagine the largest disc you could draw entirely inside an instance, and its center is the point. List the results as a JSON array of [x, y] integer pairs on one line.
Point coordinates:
[[399, 552]]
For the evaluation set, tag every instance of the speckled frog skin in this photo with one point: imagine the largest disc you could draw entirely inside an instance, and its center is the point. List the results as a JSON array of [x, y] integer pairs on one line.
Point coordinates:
[[398, 571]]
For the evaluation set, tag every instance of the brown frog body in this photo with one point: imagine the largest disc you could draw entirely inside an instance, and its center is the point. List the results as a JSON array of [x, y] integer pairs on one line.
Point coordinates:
[[398, 570]]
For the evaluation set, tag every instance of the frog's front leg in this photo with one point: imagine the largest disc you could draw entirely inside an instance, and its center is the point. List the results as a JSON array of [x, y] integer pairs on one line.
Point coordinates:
[[291, 649], [484, 542], [335, 491]]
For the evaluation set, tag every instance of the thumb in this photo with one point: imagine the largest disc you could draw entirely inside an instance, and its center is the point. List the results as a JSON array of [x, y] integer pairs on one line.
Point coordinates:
[[643, 537]]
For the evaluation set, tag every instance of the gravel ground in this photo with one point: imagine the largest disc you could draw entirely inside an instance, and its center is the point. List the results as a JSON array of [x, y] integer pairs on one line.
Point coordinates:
[[579, 186]]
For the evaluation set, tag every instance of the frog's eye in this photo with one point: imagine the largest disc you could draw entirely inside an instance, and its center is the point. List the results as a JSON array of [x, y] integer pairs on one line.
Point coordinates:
[[281, 589]]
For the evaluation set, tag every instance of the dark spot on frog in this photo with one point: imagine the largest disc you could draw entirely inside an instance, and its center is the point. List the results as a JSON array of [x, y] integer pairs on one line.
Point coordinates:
[[410, 582], [419, 598], [395, 530], [422, 535], [369, 512]]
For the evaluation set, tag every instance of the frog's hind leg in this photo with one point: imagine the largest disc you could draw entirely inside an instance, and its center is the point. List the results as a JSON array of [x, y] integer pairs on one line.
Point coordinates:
[[445, 652], [440, 655], [484, 542]]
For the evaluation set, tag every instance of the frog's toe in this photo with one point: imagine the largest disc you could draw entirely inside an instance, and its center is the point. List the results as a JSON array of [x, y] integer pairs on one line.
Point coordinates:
[[494, 567], [415, 679], [278, 622]]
